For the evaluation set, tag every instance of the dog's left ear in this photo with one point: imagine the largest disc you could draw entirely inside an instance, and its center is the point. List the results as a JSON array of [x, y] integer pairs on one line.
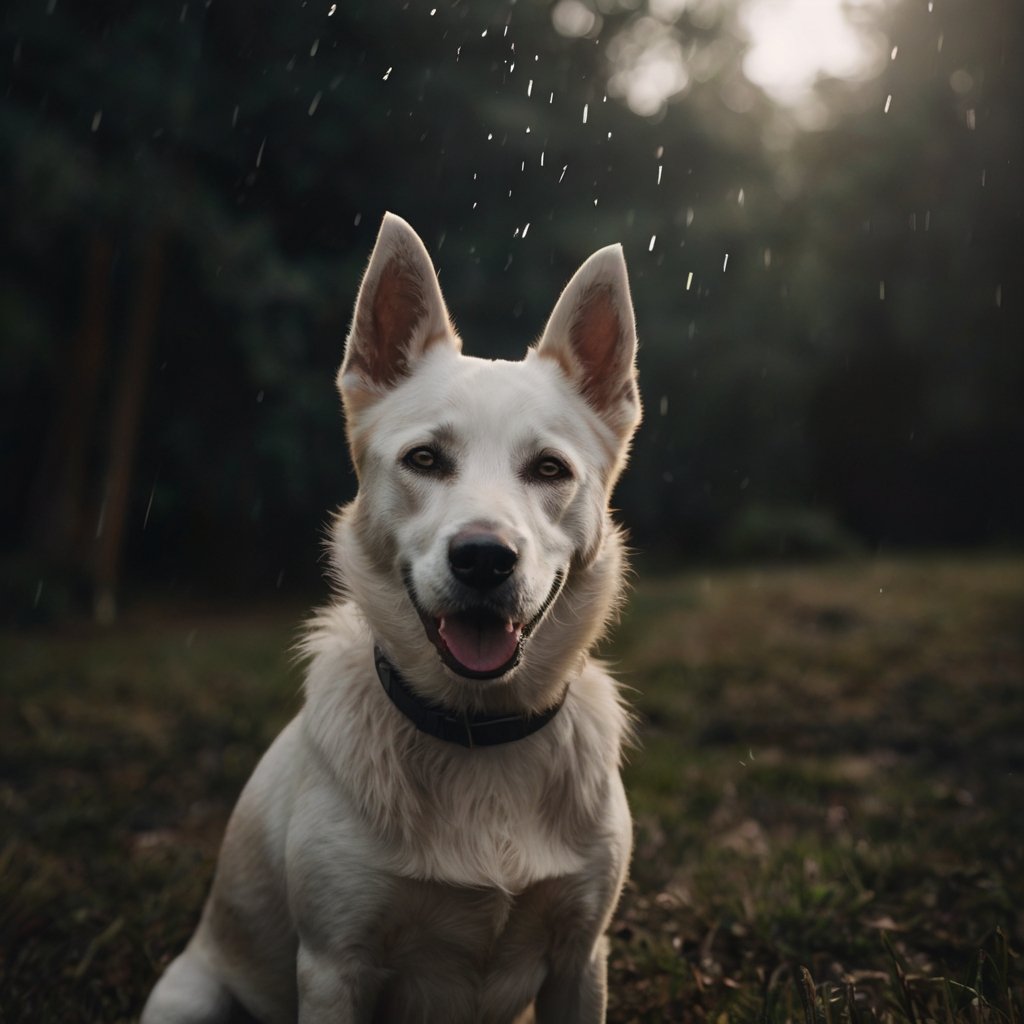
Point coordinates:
[[399, 314], [591, 334]]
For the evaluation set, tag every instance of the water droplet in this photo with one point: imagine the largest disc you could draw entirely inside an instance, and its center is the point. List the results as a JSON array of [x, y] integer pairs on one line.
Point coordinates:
[[689, 280], [330, 13], [650, 246], [659, 173], [725, 262], [96, 118], [888, 104], [314, 47], [881, 291], [586, 107], [529, 88], [387, 74], [315, 103], [893, 52]]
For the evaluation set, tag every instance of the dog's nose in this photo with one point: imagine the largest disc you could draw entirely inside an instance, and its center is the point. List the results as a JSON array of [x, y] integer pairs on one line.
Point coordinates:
[[481, 560]]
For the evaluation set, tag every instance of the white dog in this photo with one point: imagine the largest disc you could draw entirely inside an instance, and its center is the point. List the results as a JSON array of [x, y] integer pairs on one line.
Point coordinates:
[[441, 834]]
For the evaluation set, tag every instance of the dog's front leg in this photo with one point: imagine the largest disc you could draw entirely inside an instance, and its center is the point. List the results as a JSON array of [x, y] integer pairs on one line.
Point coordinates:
[[333, 989], [576, 996]]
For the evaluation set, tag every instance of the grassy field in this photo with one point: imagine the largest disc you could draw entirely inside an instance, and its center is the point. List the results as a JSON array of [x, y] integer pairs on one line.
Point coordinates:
[[829, 794]]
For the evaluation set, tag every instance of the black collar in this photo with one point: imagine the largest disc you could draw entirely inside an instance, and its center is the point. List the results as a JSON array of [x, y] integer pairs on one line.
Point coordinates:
[[464, 729]]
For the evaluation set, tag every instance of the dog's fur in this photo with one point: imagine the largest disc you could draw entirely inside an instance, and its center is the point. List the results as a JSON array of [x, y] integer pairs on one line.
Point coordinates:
[[371, 872]]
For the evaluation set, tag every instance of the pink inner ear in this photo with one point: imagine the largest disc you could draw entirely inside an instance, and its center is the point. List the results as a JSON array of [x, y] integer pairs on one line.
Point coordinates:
[[387, 323], [596, 340]]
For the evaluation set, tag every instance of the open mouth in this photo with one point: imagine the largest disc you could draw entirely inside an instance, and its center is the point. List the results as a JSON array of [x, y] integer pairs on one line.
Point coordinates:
[[478, 643]]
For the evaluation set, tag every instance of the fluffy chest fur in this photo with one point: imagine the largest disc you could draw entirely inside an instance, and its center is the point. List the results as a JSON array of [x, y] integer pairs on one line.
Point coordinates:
[[501, 818]]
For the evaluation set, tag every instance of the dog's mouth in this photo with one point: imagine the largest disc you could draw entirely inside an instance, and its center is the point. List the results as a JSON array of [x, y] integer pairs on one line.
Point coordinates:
[[478, 642]]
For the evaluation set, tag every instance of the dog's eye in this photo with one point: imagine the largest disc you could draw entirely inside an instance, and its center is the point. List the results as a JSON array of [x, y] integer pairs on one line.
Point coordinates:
[[423, 459], [549, 468]]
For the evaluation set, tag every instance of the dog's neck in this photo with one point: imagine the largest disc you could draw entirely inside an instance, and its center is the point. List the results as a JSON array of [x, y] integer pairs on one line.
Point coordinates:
[[477, 730]]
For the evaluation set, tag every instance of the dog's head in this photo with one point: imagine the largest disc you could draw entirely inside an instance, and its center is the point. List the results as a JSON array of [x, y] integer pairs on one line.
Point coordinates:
[[481, 523]]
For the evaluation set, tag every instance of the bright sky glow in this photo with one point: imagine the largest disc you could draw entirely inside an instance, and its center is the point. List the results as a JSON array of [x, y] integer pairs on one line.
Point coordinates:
[[791, 44], [795, 41]]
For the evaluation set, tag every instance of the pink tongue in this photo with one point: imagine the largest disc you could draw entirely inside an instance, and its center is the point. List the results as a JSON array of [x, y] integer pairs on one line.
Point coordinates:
[[479, 646]]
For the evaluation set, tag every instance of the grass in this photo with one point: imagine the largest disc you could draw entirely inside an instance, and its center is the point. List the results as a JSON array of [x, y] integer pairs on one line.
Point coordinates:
[[829, 794]]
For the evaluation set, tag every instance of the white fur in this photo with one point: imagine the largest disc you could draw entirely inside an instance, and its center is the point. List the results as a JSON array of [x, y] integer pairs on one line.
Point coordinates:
[[371, 872]]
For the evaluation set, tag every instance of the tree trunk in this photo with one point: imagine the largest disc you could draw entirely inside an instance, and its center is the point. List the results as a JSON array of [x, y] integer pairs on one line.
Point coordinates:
[[124, 429], [58, 528]]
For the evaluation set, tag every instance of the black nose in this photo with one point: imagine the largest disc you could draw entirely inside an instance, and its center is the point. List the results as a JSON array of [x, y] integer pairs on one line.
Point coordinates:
[[481, 560]]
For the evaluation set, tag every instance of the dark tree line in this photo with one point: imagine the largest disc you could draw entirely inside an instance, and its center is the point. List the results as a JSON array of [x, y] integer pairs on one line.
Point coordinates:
[[830, 319]]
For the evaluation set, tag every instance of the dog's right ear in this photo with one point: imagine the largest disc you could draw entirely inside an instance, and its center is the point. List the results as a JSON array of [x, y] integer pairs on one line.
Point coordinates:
[[399, 314]]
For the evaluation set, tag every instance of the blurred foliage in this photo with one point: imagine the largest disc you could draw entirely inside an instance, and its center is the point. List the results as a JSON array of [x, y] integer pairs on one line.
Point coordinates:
[[830, 318]]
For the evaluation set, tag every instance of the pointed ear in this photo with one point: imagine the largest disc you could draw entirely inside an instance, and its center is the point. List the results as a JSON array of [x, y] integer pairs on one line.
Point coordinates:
[[592, 336], [399, 314]]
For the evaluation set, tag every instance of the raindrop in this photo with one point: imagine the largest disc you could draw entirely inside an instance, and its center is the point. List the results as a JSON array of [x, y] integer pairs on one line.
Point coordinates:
[[663, 405], [315, 103], [529, 88], [725, 262], [689, 216], [330, 13], [98, 116], [149, 507], [586, 107], [970, 119], [650, 247], [387, 74], [234, 118], [314, 47], [881, 291], [767, 258], [888, 104], [689, 280], [562, 175], [894, 51], [259, 155], [484, 33], [741, 198], [259, 396], [525, 229], [659, 173], [39, 594]]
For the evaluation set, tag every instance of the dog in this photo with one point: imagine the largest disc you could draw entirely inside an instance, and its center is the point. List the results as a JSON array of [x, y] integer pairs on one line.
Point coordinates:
[[442, 834]]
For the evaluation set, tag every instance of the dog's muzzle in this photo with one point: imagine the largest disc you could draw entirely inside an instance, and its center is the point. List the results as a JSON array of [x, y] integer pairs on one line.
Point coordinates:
[[475, 639]]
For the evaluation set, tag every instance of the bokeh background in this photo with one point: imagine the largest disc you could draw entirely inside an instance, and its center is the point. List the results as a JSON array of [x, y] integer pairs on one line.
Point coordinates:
[[820, 204]]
